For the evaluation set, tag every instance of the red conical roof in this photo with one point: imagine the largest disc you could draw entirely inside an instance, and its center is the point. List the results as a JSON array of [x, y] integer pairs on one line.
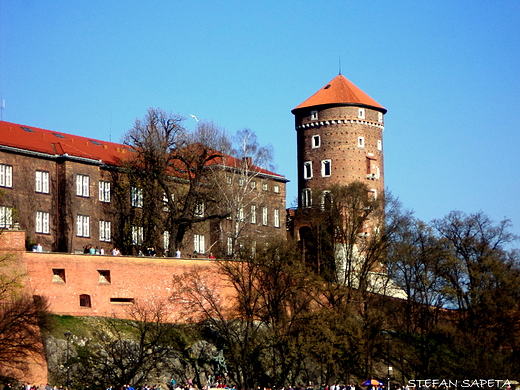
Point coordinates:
[[343, 92]]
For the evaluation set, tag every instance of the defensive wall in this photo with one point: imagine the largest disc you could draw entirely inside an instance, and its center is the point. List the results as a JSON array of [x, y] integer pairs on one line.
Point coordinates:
[[93, 285], [90, 285]]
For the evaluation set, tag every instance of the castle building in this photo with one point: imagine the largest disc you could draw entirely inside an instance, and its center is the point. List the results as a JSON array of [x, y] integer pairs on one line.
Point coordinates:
[[61, 190], [340, 139]]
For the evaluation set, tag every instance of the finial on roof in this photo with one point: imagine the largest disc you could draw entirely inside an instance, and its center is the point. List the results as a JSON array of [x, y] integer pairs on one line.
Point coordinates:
[[339, 64]]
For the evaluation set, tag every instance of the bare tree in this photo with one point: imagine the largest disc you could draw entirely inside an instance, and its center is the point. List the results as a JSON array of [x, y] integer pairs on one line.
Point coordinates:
[[132, 351], [239, 176], [21, 318], [261, 321], [168, 176]]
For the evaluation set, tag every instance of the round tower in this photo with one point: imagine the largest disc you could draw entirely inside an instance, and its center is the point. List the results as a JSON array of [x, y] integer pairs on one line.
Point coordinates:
[[340, 140]]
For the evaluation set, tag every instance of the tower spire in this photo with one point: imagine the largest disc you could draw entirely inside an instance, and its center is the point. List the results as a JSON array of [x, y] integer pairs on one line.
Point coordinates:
[[339, 65]]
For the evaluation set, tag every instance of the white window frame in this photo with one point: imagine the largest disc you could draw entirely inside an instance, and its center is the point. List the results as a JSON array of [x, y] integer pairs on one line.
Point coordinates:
[[315, 141], [82, 225], [83, 185], [136, 197], [199, 243], [241, 214], [361, 142], [6, 176], [199, 210], [137, 235], [276, 216], [379, 144], [166, 207], [166, 240], [253, 185], [42, 182], [265, 187], [380, 117], [105, 231], [6, 217], [276, 189], [314, 115], [306, 197], [361, 113], [253, 213], [240, 181], [104, 191], [324, 195], [264, 216], [42, 225], [307, 170], [324, 164], [229, 246]]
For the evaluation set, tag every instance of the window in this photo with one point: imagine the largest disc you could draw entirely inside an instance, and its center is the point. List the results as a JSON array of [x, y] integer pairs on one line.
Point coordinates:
[[314, 115], [380, 117], [136, 197], [82, 225], [137, 235], [276, 189], [230, 246], [241, 214], [122, 301], [253, 213], [379, 144], [104, 231], [326, 200], [6, 175], [6, 217], [240, 181], [198, 243], [361, 142], [253, 185], [276, 218], [372, 194], [42, 222], [58, 275], [316, 142], [83, 185], [199, 210], [166, 241], [372, 168], [307, 170], [306, 197], [166, 203], [265, 186], [361, 113], [104, 276], [42, 182], [84, 300], [264, 216], [326, 168], [104, 191], [229, 180]]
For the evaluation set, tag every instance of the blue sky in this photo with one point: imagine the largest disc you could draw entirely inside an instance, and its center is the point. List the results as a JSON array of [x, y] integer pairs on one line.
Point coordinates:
[[447, 71]]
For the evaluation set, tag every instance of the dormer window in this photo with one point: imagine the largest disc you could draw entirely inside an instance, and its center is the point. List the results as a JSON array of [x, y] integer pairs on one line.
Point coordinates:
[[314, 115]]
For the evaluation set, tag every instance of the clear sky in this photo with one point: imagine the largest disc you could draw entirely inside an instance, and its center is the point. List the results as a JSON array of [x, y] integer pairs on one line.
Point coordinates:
[[447, 71]]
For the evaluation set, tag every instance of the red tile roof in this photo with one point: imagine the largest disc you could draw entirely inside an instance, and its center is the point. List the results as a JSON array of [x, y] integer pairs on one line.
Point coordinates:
[[340, 91], [56, 144]]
